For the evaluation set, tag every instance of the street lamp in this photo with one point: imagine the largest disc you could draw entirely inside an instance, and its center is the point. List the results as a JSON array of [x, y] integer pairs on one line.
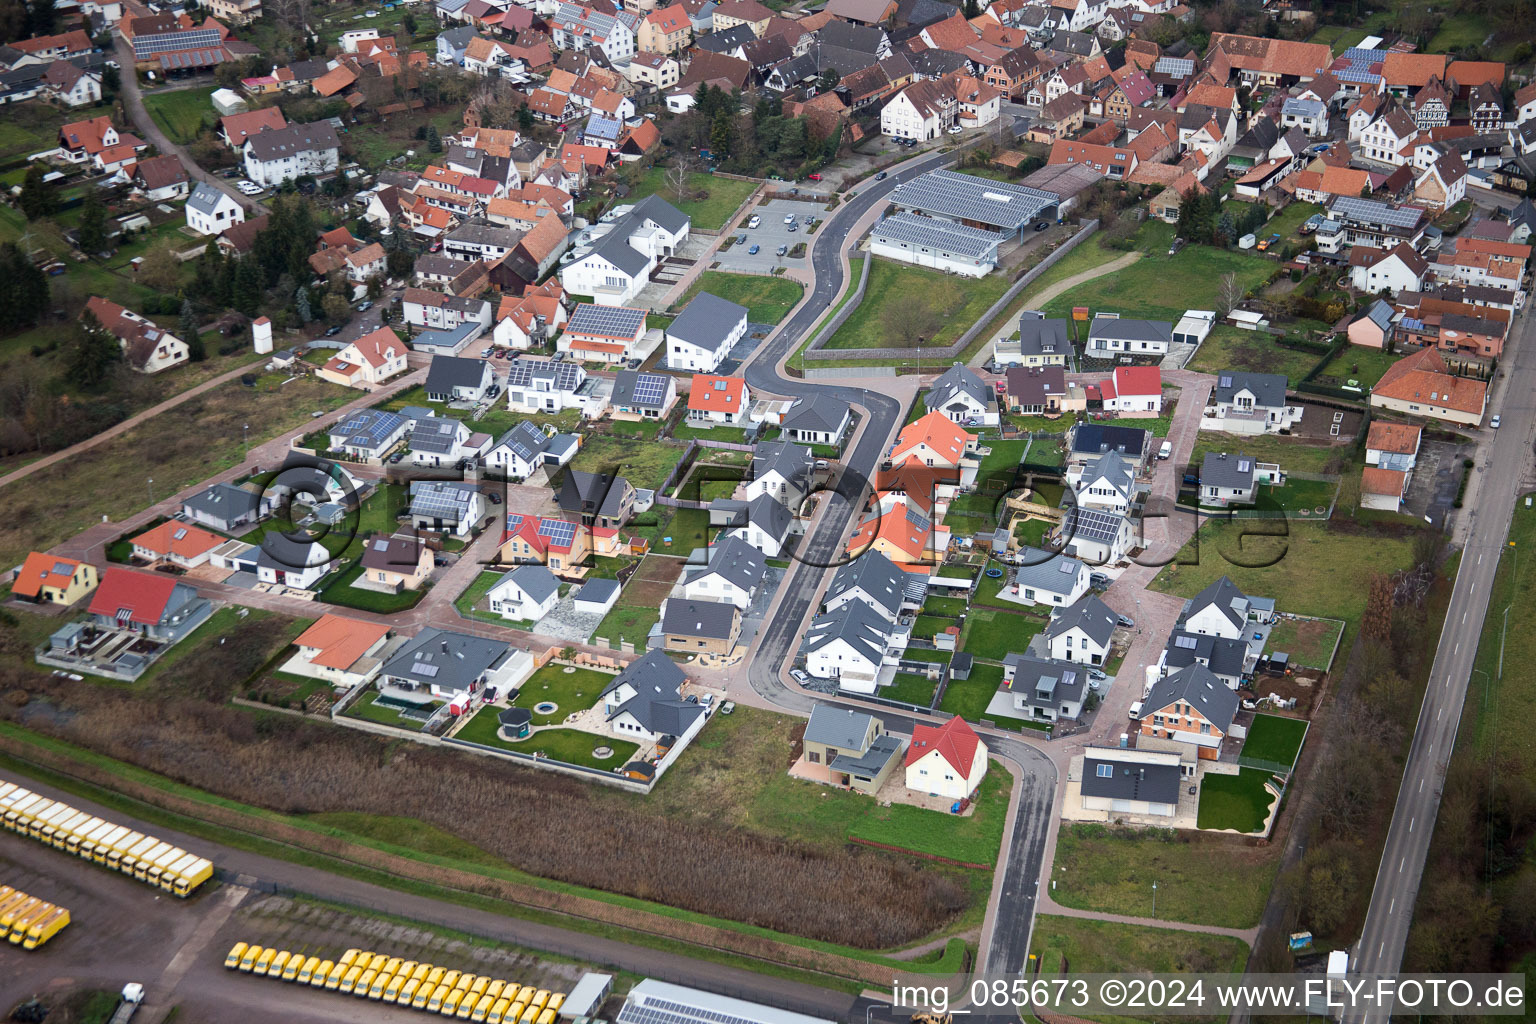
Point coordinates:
[[245, 437], [149, 485], [1154, 899]]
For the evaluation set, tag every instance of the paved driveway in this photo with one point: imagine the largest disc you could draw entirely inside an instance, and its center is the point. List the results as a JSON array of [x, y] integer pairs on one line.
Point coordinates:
[[769, 235], [1436, 479]]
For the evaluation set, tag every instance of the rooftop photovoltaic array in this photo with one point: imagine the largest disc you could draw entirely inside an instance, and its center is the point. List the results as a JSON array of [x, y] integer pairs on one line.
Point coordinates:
[[149, 45], [664, 1011], [943, 235], [559, 532], [966, 197], [433, 498], [1370, 211], [650, 388], [606, 321], [523, 371], [1091, 524]]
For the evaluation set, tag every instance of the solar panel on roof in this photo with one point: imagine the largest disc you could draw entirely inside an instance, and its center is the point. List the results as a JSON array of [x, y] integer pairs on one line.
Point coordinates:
[[422, 668], [608, 321], [1187, 643], [967, 197], [1372, 212], [559, 532], [1224, 381], [650, 388]]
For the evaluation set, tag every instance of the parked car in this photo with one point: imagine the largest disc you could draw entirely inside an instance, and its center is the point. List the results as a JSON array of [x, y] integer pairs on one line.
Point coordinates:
[[1494, 423], [493, 498], [1166, 451], [813, 177], [332, 332], [364, 307], [1098, 579], [789, 218], [783, 249], [1042, 225], [955, 130], [1097, 674], [727, 707], [396, 457], [799, 675], [1127, 621], [882, 176], [754, 250], [248, 187], [755, 221], [485, 353], [794, 227]]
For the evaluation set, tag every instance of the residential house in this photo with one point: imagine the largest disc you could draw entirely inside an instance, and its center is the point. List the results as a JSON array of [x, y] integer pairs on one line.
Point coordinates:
[[641, 395], [146, 347], [923, 110], [148, 604], [158, 179], [645, 701], [1486, 104], [445, 506], [949, 760], [665, 30], [366, 362], [961, 397], [730, 13], [1042, 690], [932, 440], [1250, 403], [1091, 441], [368, 434], [1046, 577], [526, 594], [783, 471], [70, 85], [718, 400], [1393, 446], [1421, 385], [1109, 483], [1111, 335], [1037, 390], [52, 579], [700, 627], [223, 507], [98, 142], [599, 499], [343, 652], [1118, 782], [1373, 327], [1389, 139], [519, 452], [581, 27], [899, 527], [295, 564], [849, 644], [1081, 631], [702, 336], [1227, 480], [1311, 116], [1383, 489], [658, 71], [1229, 660], [854, 747], [273, 156], [760, 521], [1191, 706], [436, 311], [603, 333], [459, 379], [876, 581], [454, 667], [392, 564], [210, 210], [1133, 391], [438, 441], [550, 385], [1042, 341], [1223, 610], [733, 573], [818, 419], [1095, 536]]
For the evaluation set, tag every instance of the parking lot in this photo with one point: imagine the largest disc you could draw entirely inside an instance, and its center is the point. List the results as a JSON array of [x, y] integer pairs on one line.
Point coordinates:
[[769, 235]]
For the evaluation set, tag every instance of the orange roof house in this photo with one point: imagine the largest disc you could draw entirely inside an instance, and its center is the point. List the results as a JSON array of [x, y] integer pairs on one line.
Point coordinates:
[[1395, 438], [176, 542], [1411, 71], [722, 399], [901, 532], [1421, 385], [934, 440], [337, 646], [50, 579], [237, 127]]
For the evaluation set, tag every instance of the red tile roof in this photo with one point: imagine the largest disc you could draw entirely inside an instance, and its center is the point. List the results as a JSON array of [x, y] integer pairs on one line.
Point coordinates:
[[43, 570], [143, 595], [340, 640], [956, 742], [710, 393]]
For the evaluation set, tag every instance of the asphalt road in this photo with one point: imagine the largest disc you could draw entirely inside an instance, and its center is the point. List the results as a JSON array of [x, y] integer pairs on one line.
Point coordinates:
[[1505, 468], [1015, 898]]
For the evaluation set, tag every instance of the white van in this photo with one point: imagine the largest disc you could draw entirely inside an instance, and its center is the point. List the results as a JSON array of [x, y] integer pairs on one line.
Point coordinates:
[[1166, 451]]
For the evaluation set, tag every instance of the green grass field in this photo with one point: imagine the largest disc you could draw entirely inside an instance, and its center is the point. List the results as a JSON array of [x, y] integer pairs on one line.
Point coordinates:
[[993, 634], [1298, 495], [710, 200], [569, 745], [768, 299], [1309, 642], [366, 708], [573, 689], [1160, 286], [974, 839], [643, 464], [182, 113], [1272, 738], [1200, 879], [1290, 219], [1239, 802], [911, 688], [959, 304], [1094, 947], [1294, 455], [1232, 348], [968, 698], [1355, 362]]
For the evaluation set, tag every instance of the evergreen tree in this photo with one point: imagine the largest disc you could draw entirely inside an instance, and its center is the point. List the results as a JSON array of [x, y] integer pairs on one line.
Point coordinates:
[[301, 305], [972, 9], [42, 19], [91, 354], [720, 133], [434, 140], [525, 120], [1226, 230], [196, 351], [245, 294], [24, 299], [111, 80], [37, 198], [93, 223]]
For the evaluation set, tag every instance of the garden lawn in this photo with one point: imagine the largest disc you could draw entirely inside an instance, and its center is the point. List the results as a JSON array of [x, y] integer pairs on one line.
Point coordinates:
[[624, 622], [925, 654], [1107, 947], [911, 689], [1031, 532], [182, 113], [475, 593], [569, 745], [1232, 348], [1358, 363], [1309, 642], [710, 201], [929, 626], [643, 464], [959, 304], [1273, 738], [974, 839], [1239, 802], [340, 591], [573, 689], [687, 528], [768, 299], [366, 708], [1162, 287], [1298, 495], [969, 698], [944, 606], [1293, 455], [1289, 220], [1308, 569], [1205, 880], [993, 634]]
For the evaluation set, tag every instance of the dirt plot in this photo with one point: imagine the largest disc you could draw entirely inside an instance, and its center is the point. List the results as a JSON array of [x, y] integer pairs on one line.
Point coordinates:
[[652, 582]]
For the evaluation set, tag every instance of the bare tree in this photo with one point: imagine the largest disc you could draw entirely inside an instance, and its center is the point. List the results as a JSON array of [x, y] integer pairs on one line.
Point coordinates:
[[677, 177], [908, 319], [1231, 293]]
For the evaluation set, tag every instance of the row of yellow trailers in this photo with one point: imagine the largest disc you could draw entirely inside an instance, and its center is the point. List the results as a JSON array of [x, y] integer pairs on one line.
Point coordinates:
[[391, 979], [27, 921], [87, 836]]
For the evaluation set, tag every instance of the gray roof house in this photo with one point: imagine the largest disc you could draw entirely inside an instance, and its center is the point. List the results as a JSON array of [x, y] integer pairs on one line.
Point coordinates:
[[781, 469], [1252, 403], [1191, 705], [848, 644], [1090, 441], [445, 665], [223, 507], [854, 747], [1081, 631], [760, 521], [458, 379], [1227, 479], [649, 395], [1042, 577], [875, 580], [445, 505], [1223, 610], [1135, 782], [704, 333], [1109, 336], [820, 419], [368, 433], [1109, 482], [733, 573], [1042, 341], [683, 620], [645, 700], [961, 396], [599, 498], [1043, 690], [1227, 659]]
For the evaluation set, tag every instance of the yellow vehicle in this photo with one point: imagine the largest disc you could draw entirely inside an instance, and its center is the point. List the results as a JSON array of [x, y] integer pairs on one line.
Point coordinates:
[[106, 840], [555, 1001], [364, 983], [191, 875], [248, 960], [365, 959], [546, 1016], [470, 1004], [25, 919], [410, 968], [71, 828], [279, 964], [434, 977], [94, 846], [16, 911], [424, 990], [81, 834], [19, 817], [132, 859], [392, 965], [15, 803], [515, 1012], [291, 968], [348, 957], [333, 979], [525, 995], [307, 971], [44, 825], [494, 989], [235, 953], [349, 980], [407, 996], [529, 1015], [322, 971], [264, 961], [541, 998], [435, 1004], [381, 979], [498, 1012], [392, 990], [120, 847], [11, 902], [482, 983], [44, 928], [451, 1002], [32, 818], [482, 1009], [451, 979], [465, 982]]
